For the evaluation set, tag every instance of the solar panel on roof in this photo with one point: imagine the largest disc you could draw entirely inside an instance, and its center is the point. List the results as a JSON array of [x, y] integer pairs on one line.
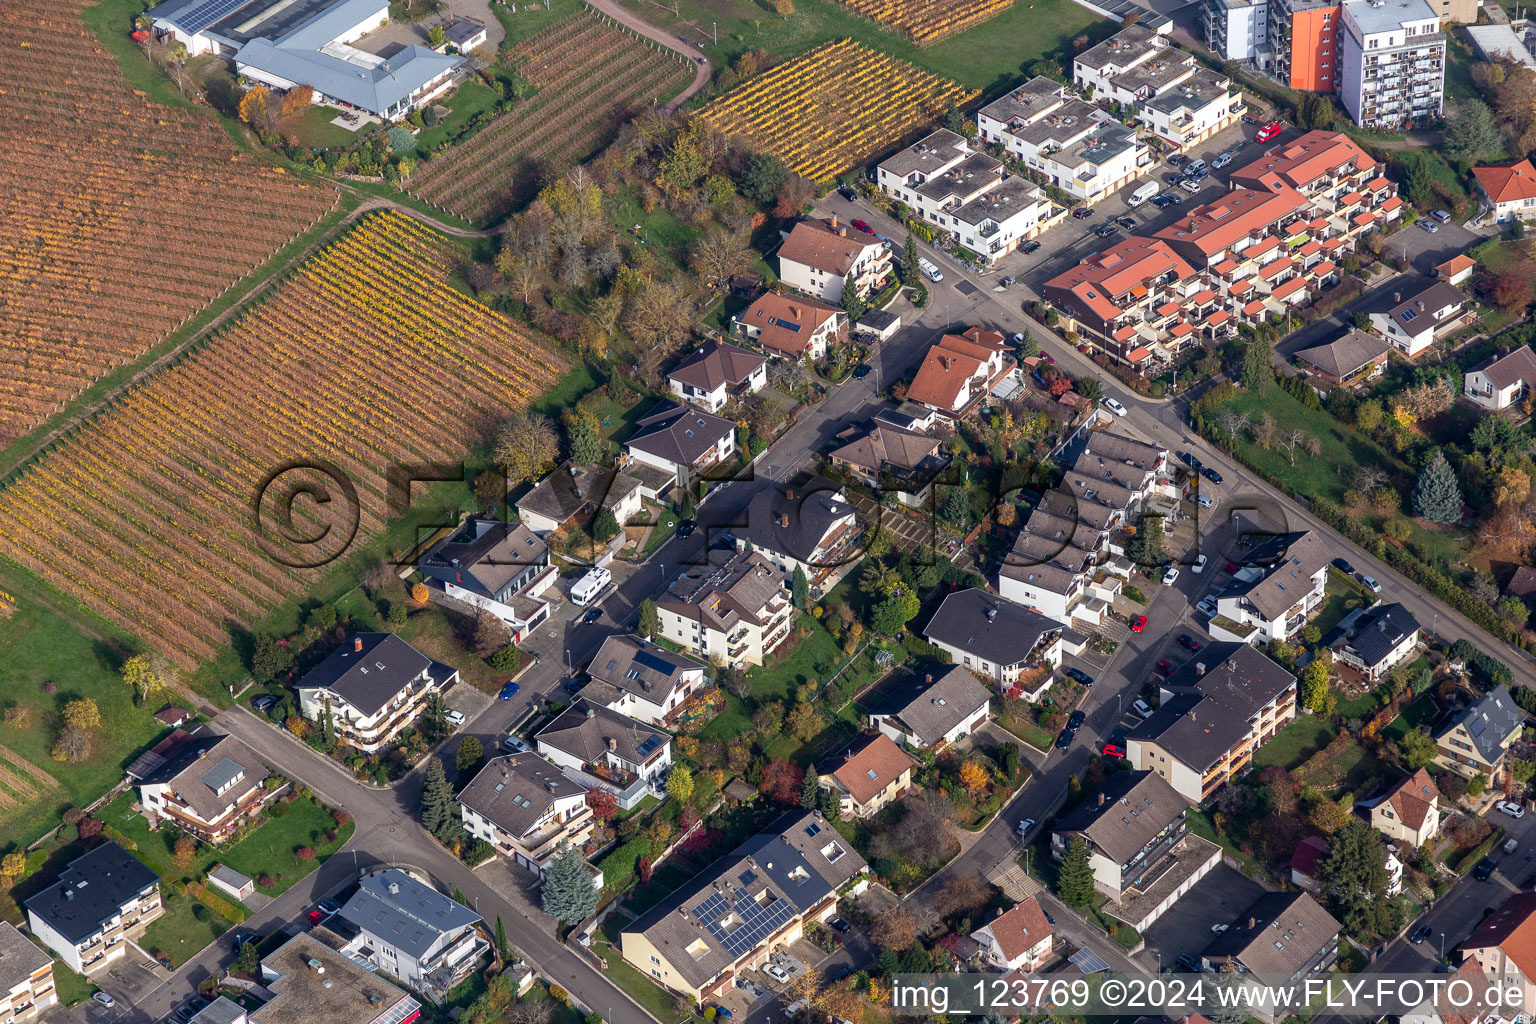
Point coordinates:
[[648, 746], [654, 663], [1088, 961], [209, 13]]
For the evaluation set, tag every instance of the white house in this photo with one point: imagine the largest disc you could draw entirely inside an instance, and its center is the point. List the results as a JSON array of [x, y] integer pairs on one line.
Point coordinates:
[[1201, 105], [819, 256], [102, 900], [1020, 939], [1393, 63], [601, 749], [1235, 29], [807, 525], [372, 687], [717, 373], [681, 440], [571, 491], [643, 680], [738, 610], [1131, 66], [1500, 382], [996, 639], [412, 932], [791, 326], [1508, 191], [26, 977], [1274, 595], [209, 786], [1410, 811], [526, 808], [1376, 640], [934, 709], [1411, 321], [499, 566], [960, 370]]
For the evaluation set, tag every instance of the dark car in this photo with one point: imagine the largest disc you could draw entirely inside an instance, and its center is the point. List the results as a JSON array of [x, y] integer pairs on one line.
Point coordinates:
[[1185, 640], [1176, 159], [1173, 177], [1189, 962], [1079, 675], [593, 614], [1343, 566], [847, 193], [839, 925], [686, 527], [1075, 719], [1189, 459], [1126, 222], [573, 685], [1105, 230], [1007, 282], [508, 692], [1484, 869], [1083, 212], [1419, 934], [329, 906], [240, 939], [197, 1004], [1029, 247], [1065, 739], [861, 225], [1165, 667], [1211, 475], [861, 371], [1163, 202]]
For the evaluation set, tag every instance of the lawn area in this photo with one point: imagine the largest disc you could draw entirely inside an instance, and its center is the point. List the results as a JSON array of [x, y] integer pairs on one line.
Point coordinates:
[[178, 933], [525, 21], [1348, 770], [645, 992], [42, 647], [1344, 450], [664, 233], [1341, 596], [663, 525], [313, 130], [816, 657], [729, 724], [468, 99], [663, 880], [1295, 743], [71, 986], [1421, 712], [1029, 732]]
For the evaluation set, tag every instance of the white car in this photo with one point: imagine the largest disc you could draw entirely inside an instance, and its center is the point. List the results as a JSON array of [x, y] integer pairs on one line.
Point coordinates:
[[1199, 565], [514, 744], [776, 972], [1206, 502], [1189, 185], [1113, 406], [1222, 160], [1171, 575], [456, 718], [1142, 708], [1511, 808], [793, 1009], [1207, 606], [1024, 826], [1217, 929], [1370, 584]]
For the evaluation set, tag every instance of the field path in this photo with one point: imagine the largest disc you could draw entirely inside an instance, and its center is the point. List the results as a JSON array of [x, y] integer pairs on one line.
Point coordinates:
[[702, 69]]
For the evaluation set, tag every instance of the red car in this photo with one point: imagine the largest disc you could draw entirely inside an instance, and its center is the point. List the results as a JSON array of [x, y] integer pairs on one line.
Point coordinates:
[[1165, 667], [1269, 131], [1140, 624], [864, 227], [1111, 750], [1231, 567], [1185, 640]]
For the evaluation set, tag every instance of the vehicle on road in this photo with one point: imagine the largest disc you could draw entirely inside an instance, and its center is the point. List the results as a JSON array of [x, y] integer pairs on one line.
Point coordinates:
[[1164, 201], [315, 917], [1047, 357], [1443, 216], [1165, 667], [1484, 869], [1210, 474], [508, 691], [1082, 213], [514, 744], [861, 371], [1343, 566], [1076, 719], [104, 999], [1199, 566], [1112, 750], [1024, 826], [1113, 406], [1142, 708], [686, 527], [455, 718], [1171, 576], [1106, 230], [1510, 808], [1126, 222], [1369, 583], [776, 972], [1190, 185], [1207, 606], [1222, 160], [593, 614], [930, 271], [1217, 929], [847, 193], [1185, 640], [1420, 933], [1065, 739], [795, 1008], [1511, 846], [1139, 624], [861, 225], [1269, 131], [1191, 460], [1079, 675], [1030, 246]]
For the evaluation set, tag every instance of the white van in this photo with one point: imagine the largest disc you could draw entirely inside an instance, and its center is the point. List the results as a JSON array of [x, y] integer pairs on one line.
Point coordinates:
[[1142, 194], [586, 589], [930, 271]]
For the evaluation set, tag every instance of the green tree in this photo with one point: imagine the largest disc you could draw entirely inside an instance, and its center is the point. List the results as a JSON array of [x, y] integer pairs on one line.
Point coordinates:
[[269, 658], [439, 810], [853, 303], [810, 793], [605, 526], [569, 893], [1369, 415], [1228, 1009], [1090, 388], [584, 438], [800, 588], [1417, 186], [680, 783], [1146, 545], [1257, 370], [434, 715], [1437, 496], [953, 119], [139, 673], [248, 960], [762, 178], [468, 756], [1074, 878], [1314, 686], [1353, 876], [957, 509], [1029, 346], [1472, 133], [908, 268], [502, 945], [892, 615], [1417, 749], [649, 623], [507, 660]]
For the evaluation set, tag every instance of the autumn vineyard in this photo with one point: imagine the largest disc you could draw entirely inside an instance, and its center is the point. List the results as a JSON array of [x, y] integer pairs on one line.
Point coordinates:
[[831, 109], [364, 359], [590, 77], [123, 217], [928, 21]]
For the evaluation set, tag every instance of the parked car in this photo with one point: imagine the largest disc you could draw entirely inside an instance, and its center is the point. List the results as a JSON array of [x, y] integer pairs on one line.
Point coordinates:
[[847, 193], [1139, 624], [1196, 167], [1269, 131], [593, 614], [1190, 962], [1199, 566], [1175, 159], [1106, 230], [508, 692], [1510, 846], [1443, 216], [241, 938], [1369, 583], [1007, 282], [1207, 606], [1113, 406], [839, 925], [1187, 641], [329, 906], [686, 527], [573, 685], [1191, 460], [1126, 222], [1142, 708], [1082, 212], [776, 972], [1420, 933], [1079, 675], [1217, 929], [1343, 566], [1065, 739], [1076, 719], [1024, 826], [1113, 750], [1029, 247], [1510, 808], [1210, 474], [860, 225], [104, 999], [455, 718], [1222, 160], [1165, 667], [1484, 869], [795, 1008], [264, 703], [1429, 226], [513, 744], [1164, 201], [861, 371], [1170, 576], [1190, 185]]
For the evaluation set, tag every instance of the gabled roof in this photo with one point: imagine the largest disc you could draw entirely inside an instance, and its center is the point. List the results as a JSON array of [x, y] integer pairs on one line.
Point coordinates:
[[678, 433], [1308, 853], [1380, 630], [951, 363], [647, 670], [1213, 696], [1217, 226], [1019, 929], [816, 243], [1417, 311], [590, 731], [375, 89], [1344, 355], [1289, 929], [368, 671], [570, 488], [1490, 722], [1509, 369], [715, 363], [1511, 928], [933, 702], [1299, 163], [787, 322], [91, 891], [514, 791], [1412, 798], [886, 445], [484, 555], [988, 627], [19, 958], [867, 766], [1098, 281], [798, 520], [1291, 561], [1523, 583], [1508, 183], [405, 912], [1126, 814], [208, 762]]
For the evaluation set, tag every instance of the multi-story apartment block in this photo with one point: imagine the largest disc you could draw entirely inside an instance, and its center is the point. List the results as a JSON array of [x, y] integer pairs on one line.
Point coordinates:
[[738, 610], [104, 898], [1201, 105], [527, 809], [642, 680], [412, 932], [1125, 301], [1236, 29], [1477, 741], [1278, 589], [1282, 938], [820, 256], [1131, 66], [1214, 713], [1078, 148], [807, 525], [1394, 63], [371, 687], [208, 787], [868, 775], [732, 915], [601, 749], [26, 977], [996, 639], [1304, 47], [496, 565]]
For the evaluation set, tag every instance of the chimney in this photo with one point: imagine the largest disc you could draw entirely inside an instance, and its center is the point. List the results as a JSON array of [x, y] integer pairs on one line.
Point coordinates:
[[357, 643], [315, 966], [784, 519], [550, 786], [834, 222], [789, 493], [991, 614], [794, 311], [1397, 296], [1101, 799], [394, 888], [928, 678], [613, 744], [591, 712], [842, 232]]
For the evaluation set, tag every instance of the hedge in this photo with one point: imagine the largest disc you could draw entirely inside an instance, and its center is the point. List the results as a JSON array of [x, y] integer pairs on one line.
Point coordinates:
[[619, 866], [216, 903], [1493, 671]]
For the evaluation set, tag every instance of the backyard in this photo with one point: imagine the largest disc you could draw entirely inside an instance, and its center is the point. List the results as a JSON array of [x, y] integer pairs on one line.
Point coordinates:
[[183, 930]]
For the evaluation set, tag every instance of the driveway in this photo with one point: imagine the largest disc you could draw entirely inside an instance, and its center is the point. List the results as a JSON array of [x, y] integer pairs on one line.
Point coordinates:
[[1218, 898]]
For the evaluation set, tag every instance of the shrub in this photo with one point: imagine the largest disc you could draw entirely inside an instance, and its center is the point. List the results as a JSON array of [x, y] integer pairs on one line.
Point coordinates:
[[266, 882], [201, 912], [69, 833], [73, 816], [342, 818]]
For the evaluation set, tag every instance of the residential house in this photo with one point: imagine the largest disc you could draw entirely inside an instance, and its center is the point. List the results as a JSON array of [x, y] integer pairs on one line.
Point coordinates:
[[1500, 382], [1417, 316], [1376, 640], [718, 372], [998, 640], [1309, 853], [496, 565], [642, 680], [961, 370], [1235, 29], [1522, 584], [1124, 301], [209, 787], [1019, 939], [1393, 69], [1456, 269], [1143, 855], [1213, 714], [820, 256], [738, 610], [570, 495], [1279, 588], [1079, 149], [173, 717], [680, 440], [807, 525], [102, 900], [1131, 66], [871, 773], [1409, 813], [1198, 107], [1321, 165], [26, 977], [1503, 946], [412, 932], [601, 749], [311, 981], [1353, 358], [1507, 191], [792, 326], [888, 458], [750, 903], [1476, 741], [526, 808], [1282, 938], [372, 688], [935, 707]]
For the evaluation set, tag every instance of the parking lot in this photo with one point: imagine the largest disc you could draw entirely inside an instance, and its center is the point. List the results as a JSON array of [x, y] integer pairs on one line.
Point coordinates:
[[1216, 899]]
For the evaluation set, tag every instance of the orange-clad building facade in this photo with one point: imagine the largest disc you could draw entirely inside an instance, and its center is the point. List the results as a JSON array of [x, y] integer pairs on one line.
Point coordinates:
[[1306, 42]]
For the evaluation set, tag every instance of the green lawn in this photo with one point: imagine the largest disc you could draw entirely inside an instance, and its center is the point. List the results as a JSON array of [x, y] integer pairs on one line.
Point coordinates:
[[658, 229], [1295, 743], [663, 526], [647, 993], [1420, 712], [313, 130], [527, 20], [1343, 595], [468, 99], [178, 933], [729, 724], [71, 986], [816, 657]]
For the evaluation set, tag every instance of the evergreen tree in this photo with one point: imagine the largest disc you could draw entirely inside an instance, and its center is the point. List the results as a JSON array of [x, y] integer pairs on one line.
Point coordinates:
[[569, 895], [650, 620], [248, 960], [853, 303], [269, 658], [1146, 545], [1417, 185], [605, 526], [908, 268], [1257, 368], [810, 794], [439, 810], [1314, 686], [1229, 1009], [435, 716], [831, 805], [953, 119], [1437, 496], [1074, 879], [327, 727], [957, 509], [1472, 132], [800, 588], [1354, 877], [502, 946], [468, 756], [585, 439], [764, 174]]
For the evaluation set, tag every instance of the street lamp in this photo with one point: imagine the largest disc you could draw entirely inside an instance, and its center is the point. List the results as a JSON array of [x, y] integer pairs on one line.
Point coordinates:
[[568, 668], [1442, 947]]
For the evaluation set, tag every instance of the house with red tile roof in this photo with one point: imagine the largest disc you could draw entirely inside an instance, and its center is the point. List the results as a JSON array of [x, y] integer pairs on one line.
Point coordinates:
[[1508, 191], [1222, 229], [1019, 940], [1410, 812], [867, 775], [791, 326], [1125, 299], [1505, 944], [959, 370], [818, 256]]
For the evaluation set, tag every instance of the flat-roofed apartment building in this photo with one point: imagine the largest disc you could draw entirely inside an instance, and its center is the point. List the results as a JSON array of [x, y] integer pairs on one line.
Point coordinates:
[[102, 899], [312, 981]]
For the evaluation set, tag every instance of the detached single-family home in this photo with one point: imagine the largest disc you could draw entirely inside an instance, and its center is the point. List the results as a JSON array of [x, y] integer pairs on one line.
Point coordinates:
[[26, 977], [681, 440], [526, 808], [1377, 639], [208, 787], [1414, 317], [373, 686], [791, 326], [1504, 946], [891, 459], [1410, 811], [820, 256], [716, 373], [410, 931], [642, 680], [1278, 590], [996, 639], [1508, 191], [602, 749], [499, 566], [1352, 359], [960, 370], [102, 900], [936, 707], [1502, 381], [867, 775], [1019, 939], [1477, 740], [738, 610], [571, 493], [807, 525], [314, 981]]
